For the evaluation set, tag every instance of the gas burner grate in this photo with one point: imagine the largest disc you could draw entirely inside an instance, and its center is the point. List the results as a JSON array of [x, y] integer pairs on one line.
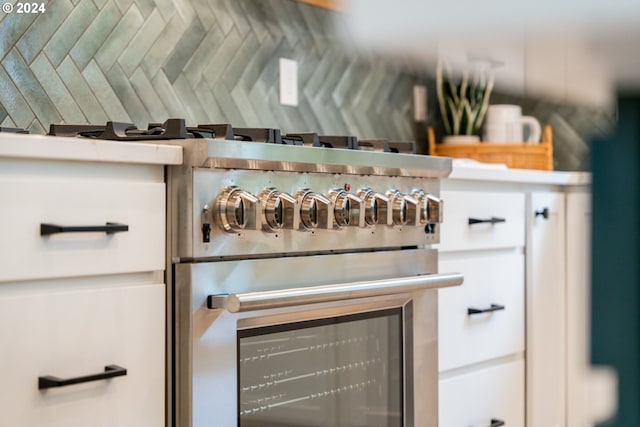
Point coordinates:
[[13, 130], [404, 147], [177, 129], [119, 131], [308, 139], [73, 130], [268, 135], [220, 131], [338, 141], [384, 145], [381, 145]]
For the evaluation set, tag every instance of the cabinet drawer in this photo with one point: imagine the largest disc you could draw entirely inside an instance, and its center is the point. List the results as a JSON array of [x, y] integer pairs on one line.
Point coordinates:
[[483, 397], [77, 333], [28, 203], [463, 206], [489, 278]]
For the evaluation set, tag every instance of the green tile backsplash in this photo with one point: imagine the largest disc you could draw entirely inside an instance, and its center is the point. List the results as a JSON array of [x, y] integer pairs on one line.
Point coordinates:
[[89, 61], [204, 60]]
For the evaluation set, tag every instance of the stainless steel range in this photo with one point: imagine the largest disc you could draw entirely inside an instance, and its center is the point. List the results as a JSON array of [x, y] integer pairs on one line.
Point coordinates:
[[303, 281]]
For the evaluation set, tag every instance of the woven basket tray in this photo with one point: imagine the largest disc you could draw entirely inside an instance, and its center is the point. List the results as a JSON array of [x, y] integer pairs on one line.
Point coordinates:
[[517, 155]]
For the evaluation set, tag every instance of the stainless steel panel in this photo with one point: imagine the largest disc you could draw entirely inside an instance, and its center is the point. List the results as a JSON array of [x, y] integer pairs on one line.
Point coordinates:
[[206, 346], [207, 184], [251, 155]]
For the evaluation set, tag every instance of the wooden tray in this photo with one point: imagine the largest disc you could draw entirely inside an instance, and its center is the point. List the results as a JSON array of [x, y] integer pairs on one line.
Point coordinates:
[[517, 155]]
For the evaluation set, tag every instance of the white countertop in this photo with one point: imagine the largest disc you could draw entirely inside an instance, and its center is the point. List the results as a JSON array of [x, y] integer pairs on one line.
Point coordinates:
[[81, 149], [61, 148], [484, 172]]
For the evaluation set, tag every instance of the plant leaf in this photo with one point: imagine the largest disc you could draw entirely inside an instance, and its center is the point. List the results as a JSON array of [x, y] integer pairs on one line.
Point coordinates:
[[441, 100], [485, 101], [456, 113], [471, 117]]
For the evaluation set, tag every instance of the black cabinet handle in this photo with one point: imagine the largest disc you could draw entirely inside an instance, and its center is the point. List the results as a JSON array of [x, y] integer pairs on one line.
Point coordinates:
[[109, 228], [544, 213], [492, 220], [496, 423], [493, 307], [110, 371]]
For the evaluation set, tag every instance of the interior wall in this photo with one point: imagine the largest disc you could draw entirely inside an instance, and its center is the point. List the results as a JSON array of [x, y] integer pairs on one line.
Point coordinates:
[[216, 61]]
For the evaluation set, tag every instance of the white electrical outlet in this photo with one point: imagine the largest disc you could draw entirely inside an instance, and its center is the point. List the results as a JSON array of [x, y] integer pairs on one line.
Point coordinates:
[[420, 103], [288, 82]]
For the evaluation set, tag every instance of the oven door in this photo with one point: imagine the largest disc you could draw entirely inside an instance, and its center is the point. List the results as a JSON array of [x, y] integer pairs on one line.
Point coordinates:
[[327, 340]]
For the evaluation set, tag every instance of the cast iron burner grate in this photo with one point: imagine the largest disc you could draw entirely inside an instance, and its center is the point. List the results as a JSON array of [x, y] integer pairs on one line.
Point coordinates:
[[308, 139], [177, 129], [13, 130], [268, 135], [119, 131], [384, 145], [311, 139]]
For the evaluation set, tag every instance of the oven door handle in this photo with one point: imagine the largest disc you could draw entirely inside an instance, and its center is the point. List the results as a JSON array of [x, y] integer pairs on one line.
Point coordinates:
[[249, 301]]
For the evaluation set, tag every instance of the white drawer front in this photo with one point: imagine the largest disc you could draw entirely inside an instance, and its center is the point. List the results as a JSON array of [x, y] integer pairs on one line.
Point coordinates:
[[27, 203], [461, 206], [483, 397], [489, 278], [78, 333]]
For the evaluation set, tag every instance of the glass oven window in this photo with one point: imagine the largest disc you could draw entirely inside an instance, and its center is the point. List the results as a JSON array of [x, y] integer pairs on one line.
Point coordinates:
[[344, 371]]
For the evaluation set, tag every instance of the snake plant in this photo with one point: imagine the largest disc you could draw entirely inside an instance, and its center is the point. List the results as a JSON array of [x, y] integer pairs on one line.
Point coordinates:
[[463, 106]]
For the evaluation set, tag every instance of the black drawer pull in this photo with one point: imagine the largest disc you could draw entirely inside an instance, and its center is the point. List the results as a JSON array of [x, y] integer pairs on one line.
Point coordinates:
[[493, 307], [110, 371], [109, 228], [544, 213], [492, 220], [496, 423]]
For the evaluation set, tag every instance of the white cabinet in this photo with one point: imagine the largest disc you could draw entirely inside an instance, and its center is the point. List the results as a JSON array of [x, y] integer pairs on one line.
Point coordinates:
[[469, 332], [498, 216], [578, 272], [546, 302], [82, 310], [539, 271], [78, 332], [505, 57], [565, 69], [589, 82], [69, 201], [545, 73], [484, 397], [481, 334]]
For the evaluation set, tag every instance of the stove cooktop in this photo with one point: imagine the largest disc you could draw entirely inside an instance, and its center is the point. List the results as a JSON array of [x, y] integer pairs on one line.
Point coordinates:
[[177, 129]]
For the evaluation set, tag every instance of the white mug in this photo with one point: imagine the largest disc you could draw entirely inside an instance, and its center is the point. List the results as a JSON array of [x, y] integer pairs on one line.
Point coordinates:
[[505, 123]]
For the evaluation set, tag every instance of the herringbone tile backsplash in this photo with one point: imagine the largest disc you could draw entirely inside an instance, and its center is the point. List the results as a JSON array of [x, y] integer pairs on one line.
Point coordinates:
[[211, 61]]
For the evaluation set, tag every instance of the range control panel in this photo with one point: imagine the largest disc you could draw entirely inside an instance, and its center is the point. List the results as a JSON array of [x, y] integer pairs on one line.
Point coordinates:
[[246, 212]]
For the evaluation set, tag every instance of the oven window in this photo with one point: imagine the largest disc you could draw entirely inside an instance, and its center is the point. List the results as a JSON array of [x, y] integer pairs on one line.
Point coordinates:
[[339, 372]]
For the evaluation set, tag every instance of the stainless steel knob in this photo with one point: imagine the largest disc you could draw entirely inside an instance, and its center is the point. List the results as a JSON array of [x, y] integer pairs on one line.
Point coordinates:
[[404, 209], [316, 211], [279, 210], [236, 209], [435, 207], [377, 207], [348, 209], [430, 207]]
